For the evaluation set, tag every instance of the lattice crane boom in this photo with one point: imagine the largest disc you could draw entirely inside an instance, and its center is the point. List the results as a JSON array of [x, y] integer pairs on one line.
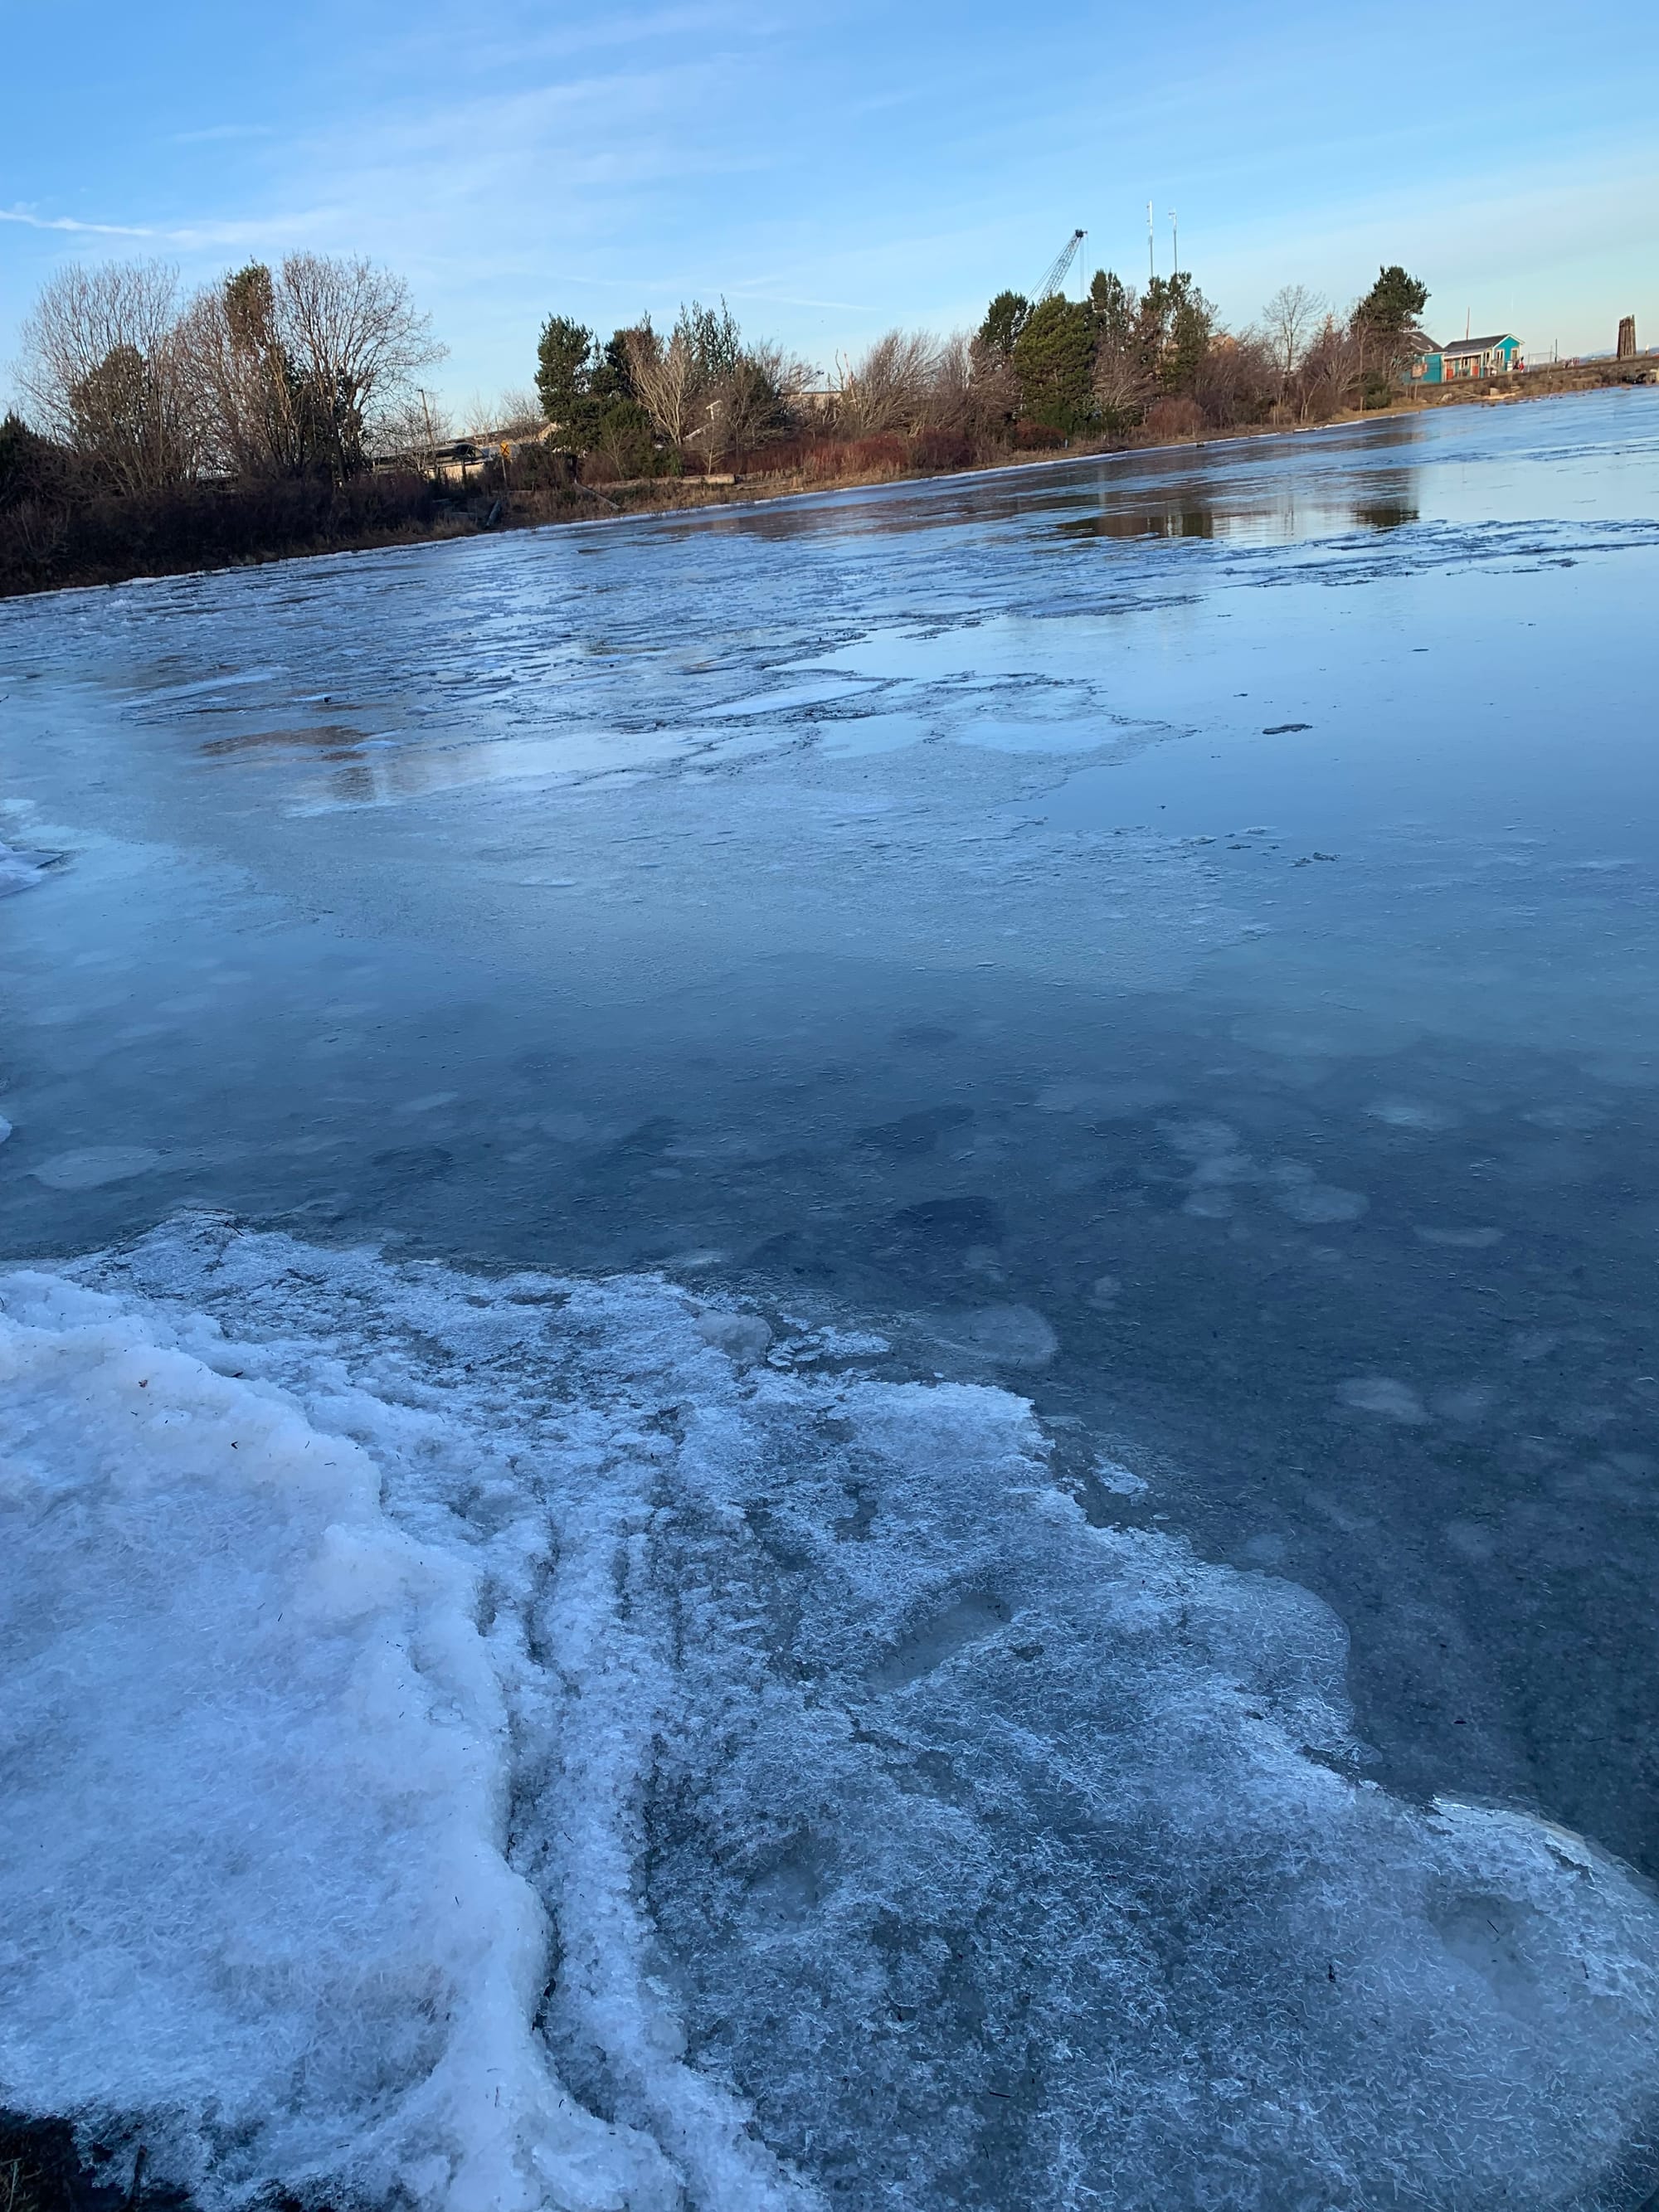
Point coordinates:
[[1058, 269]]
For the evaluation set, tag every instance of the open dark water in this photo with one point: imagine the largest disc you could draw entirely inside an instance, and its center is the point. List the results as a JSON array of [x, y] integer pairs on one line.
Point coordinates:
[[1172, 937]]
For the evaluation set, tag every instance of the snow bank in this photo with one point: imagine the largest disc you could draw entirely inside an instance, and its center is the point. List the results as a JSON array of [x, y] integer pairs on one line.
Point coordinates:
[[254, 1767], [477, 1744]]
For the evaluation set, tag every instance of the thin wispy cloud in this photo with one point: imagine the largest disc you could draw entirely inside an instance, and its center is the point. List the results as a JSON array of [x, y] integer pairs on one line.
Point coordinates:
[[69, 222], [790, 300], [189, 237]]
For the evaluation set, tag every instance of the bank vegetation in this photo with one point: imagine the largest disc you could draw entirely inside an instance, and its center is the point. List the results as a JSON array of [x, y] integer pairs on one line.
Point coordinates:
[[285, 409]]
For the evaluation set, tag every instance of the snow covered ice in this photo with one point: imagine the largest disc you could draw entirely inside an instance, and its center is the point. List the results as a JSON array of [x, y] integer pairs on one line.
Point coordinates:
[[478, 1744]]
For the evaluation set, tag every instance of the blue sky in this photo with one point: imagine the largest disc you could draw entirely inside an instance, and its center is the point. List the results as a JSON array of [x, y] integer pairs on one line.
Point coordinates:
[[835, 167]]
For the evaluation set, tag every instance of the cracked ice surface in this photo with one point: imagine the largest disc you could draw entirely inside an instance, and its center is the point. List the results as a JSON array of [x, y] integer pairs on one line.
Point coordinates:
[[480, 1745]]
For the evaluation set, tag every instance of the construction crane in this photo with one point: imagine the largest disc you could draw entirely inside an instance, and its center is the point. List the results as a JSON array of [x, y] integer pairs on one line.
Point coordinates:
[[1058, 269]]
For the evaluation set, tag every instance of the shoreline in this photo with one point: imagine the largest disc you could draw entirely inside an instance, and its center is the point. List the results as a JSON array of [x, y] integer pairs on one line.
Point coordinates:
[[1567, 381]]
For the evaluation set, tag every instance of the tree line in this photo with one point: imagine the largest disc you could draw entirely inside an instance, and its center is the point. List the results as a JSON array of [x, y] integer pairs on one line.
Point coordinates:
[[1120, 360], [1113, 364], [283, 404]]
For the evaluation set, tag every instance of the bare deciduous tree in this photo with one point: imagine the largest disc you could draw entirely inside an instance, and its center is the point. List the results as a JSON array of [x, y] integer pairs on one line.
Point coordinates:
[[1288, 324], [104, 370], [891, 386], [414, 427], [356, 338], [518, 411], [302, 370], [514, 413], [667, 378]]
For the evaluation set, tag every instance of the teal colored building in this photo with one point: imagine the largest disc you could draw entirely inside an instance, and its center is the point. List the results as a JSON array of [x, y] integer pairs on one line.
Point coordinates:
[[1468, 359]]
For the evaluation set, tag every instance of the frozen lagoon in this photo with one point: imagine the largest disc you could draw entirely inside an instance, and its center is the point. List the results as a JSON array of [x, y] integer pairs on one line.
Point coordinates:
[[1168, 940]]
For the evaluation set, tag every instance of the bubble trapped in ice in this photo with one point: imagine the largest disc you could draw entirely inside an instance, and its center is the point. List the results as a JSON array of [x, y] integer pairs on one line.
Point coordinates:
[[900, 1838]]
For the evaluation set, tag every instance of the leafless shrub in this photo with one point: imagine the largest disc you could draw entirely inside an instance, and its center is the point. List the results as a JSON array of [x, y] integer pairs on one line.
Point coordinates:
[[34, 533], [1179, 417], [941, 446], [1236, 382], [948, 404], [1327, 375], [757, 399], [1122, 385]]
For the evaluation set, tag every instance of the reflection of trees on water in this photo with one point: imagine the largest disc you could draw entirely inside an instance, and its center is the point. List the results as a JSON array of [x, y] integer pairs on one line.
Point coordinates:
[[1148, 522], [1269, 515], [330, 740], [1391, 503]]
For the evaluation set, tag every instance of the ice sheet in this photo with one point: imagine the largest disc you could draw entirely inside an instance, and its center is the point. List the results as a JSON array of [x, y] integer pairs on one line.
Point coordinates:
[[20, 870], [474, 1742]]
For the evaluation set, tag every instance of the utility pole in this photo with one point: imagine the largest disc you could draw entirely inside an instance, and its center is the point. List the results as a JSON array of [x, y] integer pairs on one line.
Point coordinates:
[[1151, 248], [1175, 246]]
